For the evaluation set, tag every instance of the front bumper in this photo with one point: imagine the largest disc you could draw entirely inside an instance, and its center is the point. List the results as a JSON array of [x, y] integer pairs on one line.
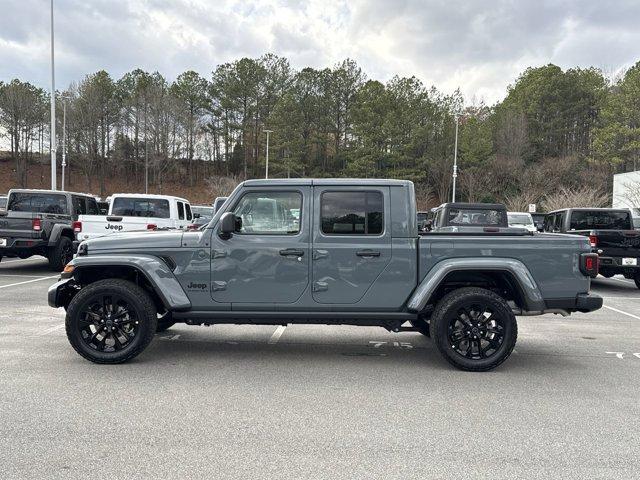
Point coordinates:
[[61, 292]]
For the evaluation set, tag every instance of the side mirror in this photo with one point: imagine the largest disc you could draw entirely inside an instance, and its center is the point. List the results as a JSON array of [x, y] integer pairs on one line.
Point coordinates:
[[428, 225], [229, 224], [196, 215]]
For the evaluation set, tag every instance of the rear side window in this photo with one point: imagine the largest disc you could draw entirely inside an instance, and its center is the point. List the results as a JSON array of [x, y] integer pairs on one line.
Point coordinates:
[[600, 220], [352, 213], [38, 203], [79, 206], [140, 207], [180, 211], [92, 207]]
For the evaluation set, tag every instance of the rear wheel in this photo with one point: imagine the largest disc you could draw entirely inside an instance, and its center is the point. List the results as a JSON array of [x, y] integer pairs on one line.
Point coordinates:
[[61, 254], [474, 329], [111, 321]]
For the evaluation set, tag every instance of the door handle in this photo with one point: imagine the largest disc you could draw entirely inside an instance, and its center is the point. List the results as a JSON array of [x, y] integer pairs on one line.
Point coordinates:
[[292, 252], [367, 253]]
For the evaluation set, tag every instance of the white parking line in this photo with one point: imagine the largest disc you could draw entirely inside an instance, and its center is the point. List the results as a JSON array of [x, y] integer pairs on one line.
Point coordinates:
[[10, 260], [28, 281], [51, 330], [18, 275], [622, 312], [277, 334]]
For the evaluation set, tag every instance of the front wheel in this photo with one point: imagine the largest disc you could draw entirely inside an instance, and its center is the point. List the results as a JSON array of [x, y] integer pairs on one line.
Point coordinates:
[[61, 254], [111, 321], [474, 329]]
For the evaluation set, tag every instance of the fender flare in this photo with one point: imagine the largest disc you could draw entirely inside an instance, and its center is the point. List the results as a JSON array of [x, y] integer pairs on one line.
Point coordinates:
[[530, 292], [56, 233], [157, 272]]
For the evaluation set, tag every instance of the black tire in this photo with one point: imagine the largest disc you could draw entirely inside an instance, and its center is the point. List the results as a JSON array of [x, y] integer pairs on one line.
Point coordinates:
[[85, 323], [61, 254], [477, 321], [165, 322]]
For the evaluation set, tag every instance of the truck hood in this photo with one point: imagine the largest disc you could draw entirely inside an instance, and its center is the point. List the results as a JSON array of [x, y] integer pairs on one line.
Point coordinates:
[[142, 240]]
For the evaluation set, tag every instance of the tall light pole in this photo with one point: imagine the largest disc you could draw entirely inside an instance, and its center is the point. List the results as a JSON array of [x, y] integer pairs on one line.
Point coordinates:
[[53, 111], [64, 140], [266, 169], [455, 161]]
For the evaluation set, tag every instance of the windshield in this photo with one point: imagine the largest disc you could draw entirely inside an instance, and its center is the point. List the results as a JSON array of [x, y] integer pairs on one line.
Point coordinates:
[[600, 220], [520, 219]]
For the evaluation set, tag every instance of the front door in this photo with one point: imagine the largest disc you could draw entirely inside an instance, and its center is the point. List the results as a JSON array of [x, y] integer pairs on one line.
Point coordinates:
[[351, 241], [267, 260]]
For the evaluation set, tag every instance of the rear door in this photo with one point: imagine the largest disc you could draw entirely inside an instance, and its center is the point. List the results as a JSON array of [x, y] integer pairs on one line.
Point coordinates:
[[351, 241]]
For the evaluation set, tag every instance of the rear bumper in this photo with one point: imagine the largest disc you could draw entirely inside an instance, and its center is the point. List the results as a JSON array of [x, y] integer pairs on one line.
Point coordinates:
[[17, 245], [615, 263], [583, 302]]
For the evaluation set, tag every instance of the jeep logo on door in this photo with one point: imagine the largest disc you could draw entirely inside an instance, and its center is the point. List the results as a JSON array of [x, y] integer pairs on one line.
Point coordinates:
[[197, 286]]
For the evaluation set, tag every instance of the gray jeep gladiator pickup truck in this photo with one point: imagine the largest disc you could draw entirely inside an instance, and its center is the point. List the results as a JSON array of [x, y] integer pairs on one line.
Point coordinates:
[[322, 251], [40, 222]]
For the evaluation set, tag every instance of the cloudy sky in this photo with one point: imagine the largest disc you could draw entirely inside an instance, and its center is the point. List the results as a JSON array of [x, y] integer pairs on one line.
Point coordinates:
[[478, 46]]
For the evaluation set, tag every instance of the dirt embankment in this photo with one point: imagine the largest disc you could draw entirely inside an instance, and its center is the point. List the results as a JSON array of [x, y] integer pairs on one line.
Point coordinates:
[[39, 176]]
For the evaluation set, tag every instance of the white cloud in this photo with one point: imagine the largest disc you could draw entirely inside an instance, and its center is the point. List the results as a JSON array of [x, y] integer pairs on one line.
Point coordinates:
[[480, 47]]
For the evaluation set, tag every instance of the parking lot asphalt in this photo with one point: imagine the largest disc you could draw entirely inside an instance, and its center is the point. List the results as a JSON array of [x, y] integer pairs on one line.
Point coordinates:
[[317, 401]]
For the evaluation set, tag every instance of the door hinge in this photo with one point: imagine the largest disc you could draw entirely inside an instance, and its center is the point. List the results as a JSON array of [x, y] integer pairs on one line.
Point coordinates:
[[320, 286], [318, 254]]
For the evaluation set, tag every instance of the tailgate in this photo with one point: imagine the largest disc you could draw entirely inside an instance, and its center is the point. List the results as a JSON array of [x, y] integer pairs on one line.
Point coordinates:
[[18, 225], [618, 243], [98, 226]]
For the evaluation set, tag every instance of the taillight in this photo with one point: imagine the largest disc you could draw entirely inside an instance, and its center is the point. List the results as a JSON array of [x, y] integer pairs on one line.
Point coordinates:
[[152, 226], [589, 264], [36, 225], [77, 227], [593, 241]]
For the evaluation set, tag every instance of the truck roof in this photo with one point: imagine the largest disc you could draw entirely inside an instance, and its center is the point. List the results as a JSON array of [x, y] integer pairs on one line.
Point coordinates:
[[475, 206], [328, 181], [148, 195], [40, 190], [587, 209]]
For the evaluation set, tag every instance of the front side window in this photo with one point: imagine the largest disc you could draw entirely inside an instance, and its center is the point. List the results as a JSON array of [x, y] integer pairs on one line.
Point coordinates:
[[187, 208], [352, 213], [92, 207], [79, 207], [38, 203], [141, 207], [269, 213]]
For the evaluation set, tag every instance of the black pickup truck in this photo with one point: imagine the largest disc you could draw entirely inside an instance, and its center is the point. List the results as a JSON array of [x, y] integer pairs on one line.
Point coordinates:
[[41, 222], [611, 236]]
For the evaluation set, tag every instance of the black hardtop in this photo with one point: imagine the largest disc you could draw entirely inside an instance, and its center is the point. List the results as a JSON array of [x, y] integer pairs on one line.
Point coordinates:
[[474, 206], [59, 192], [589, 209]]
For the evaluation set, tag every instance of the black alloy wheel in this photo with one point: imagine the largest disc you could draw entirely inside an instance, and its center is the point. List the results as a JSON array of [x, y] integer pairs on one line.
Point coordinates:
[[111, 321], [474, 329]]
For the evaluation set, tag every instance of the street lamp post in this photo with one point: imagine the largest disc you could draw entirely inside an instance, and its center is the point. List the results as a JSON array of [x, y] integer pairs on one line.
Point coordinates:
[[64, 141], [455, 162], [266, 168], [53, 111]]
